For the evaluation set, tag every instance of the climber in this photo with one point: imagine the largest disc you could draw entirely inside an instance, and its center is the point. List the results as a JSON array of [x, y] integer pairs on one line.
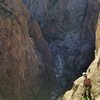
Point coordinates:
[[87, 85]]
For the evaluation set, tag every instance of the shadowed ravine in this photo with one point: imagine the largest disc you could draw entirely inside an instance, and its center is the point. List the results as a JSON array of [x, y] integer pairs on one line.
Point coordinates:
[[44, 46], [69, 30]]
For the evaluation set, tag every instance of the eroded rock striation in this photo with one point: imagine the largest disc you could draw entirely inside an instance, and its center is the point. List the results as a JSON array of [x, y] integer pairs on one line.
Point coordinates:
[[69, 28], [22, 69], [43, 47]]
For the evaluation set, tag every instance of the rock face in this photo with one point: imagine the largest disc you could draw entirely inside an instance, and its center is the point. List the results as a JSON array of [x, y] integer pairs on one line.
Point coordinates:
[[93, 72], [43, 47], [21, 66], [72, 36], [69, 28]]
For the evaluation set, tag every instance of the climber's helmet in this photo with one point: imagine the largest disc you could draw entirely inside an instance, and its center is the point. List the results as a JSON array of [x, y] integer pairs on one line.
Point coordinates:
[[84, 74]]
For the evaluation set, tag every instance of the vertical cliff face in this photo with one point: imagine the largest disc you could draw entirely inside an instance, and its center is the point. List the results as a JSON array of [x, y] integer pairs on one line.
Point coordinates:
[[43, 48], [66, 25], [98, 34], [21, 66], [69, 28], [93, 72]]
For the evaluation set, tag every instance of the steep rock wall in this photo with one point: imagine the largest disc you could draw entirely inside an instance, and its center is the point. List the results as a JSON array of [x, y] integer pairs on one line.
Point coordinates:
[[69, 28], [26, 56], [67, 25], [22, 71]]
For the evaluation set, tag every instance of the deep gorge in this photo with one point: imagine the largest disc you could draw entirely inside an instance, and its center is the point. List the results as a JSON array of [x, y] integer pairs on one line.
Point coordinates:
[[44, 46]]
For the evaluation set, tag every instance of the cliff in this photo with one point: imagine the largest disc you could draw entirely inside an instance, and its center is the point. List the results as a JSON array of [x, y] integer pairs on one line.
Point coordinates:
[[22, 71], [44, 46], [68, 27], [93, 72]]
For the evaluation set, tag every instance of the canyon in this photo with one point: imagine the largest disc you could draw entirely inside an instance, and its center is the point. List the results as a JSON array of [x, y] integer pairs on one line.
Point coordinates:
[[44, 46]]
